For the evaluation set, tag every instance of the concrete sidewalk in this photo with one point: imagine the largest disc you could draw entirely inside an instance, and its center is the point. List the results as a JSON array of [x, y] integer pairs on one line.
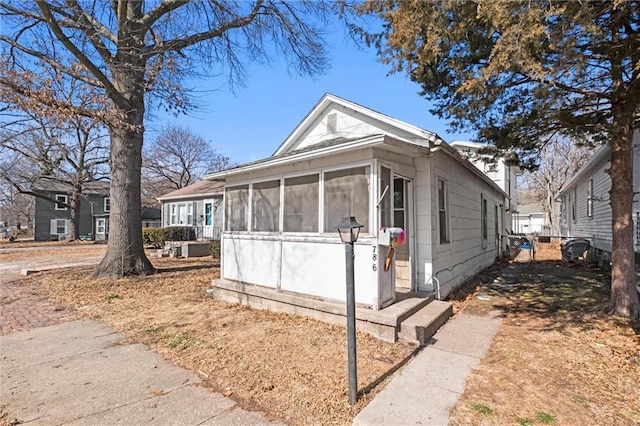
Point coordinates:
[[428, 388], [79, 373]]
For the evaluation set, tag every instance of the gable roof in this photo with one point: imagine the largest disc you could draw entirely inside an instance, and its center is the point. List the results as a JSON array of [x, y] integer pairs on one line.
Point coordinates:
[[199, 189], [365, 128], [46, 184], [329, 101]]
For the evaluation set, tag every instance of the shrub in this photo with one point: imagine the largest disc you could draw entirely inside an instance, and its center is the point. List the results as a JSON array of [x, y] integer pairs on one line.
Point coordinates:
[[153, 236], [179, 233], [214, 248]]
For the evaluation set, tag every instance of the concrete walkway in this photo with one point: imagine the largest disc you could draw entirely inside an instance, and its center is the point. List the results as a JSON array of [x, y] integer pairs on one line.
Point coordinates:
[[78, 373], [428, 388]]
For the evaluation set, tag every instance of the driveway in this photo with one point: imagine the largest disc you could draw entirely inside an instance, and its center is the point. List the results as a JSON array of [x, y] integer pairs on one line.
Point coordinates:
[[13, 260]]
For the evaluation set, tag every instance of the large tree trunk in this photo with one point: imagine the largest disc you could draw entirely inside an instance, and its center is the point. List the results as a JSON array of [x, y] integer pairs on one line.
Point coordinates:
[[624, 297], [125, 253]]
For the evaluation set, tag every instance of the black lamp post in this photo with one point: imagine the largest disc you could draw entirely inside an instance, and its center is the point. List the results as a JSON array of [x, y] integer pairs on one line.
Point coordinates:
[[349, 230]]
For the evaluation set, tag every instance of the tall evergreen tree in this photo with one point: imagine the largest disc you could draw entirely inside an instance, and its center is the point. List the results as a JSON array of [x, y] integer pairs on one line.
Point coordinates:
[[521, 72]]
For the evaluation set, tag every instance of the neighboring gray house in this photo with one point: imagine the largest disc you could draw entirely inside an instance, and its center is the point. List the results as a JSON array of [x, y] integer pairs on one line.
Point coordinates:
[[585, 204], [53, 220], [198, 205]]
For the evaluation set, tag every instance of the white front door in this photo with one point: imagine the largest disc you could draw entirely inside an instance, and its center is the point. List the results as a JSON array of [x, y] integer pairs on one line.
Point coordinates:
[[101, 229]]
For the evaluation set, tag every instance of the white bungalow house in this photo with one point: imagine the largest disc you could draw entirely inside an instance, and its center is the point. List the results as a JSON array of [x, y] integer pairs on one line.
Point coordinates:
[[585, 205], [344, 159]]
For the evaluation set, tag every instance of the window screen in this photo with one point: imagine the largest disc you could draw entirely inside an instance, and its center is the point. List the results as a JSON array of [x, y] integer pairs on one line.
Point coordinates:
[[346, 193], [266, 206], [237, 203], [301, 204]]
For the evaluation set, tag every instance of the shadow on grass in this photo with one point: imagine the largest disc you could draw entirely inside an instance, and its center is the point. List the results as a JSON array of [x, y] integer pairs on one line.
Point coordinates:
[[371, 386], [184, 268], [561, 294]]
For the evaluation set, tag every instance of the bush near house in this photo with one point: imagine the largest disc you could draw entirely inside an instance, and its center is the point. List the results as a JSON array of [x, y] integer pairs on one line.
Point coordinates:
[[214, 248], [157, 236]]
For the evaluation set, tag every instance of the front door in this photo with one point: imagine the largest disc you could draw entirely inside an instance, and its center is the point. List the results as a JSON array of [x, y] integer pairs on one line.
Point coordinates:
[[101, 229], [207, 231], [401, 220]]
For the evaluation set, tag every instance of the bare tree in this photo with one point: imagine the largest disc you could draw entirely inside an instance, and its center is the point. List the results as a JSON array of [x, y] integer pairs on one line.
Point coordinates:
[[177, 157], [137, 52], [69, 154], [558, 161]]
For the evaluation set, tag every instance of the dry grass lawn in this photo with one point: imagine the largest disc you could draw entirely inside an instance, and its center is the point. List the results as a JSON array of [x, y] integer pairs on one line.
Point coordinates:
[[557, 359], [292, 368]]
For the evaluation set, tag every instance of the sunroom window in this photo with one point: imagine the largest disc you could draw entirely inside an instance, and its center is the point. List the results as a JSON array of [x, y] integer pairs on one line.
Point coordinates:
[[237, 203], [346, 193], [266, 206], [301, 204]]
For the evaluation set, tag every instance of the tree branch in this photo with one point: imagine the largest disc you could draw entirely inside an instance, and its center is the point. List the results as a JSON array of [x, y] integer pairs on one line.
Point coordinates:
[[112, 92]]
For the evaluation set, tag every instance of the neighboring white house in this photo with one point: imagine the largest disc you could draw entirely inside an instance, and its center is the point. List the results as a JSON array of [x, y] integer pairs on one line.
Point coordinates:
[[505, 176], [585, 205], [530, 219], [344, 159], [198, 205]]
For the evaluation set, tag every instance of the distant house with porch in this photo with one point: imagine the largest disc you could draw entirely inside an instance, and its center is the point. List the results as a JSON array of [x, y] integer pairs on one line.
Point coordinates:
[[344, 159], [198, 205], [52, 220]]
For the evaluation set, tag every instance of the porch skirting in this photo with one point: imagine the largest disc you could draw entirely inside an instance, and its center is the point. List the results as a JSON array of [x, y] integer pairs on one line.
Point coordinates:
[[384, 324]]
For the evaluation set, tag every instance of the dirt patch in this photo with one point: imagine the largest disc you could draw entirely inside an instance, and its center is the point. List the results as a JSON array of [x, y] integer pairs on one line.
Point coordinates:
[[293, 368], [557, 358]]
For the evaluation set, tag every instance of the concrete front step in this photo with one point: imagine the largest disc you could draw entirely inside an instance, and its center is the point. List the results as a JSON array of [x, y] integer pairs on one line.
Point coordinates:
[[383, 324], [419, 327]]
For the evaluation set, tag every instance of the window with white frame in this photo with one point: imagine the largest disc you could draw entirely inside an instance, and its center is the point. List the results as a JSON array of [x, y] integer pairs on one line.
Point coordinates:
[[496, 225], [181, 214], [590, 198], [443, 210], [346, 193], [483, 218], [59, 227], [237, 205], [61, 202], [301, 204], [266, 206], [107, 204], [574, 204]]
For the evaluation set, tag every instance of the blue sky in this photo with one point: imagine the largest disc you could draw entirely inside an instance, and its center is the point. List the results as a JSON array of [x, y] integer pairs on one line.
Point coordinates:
[[253, 122]]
